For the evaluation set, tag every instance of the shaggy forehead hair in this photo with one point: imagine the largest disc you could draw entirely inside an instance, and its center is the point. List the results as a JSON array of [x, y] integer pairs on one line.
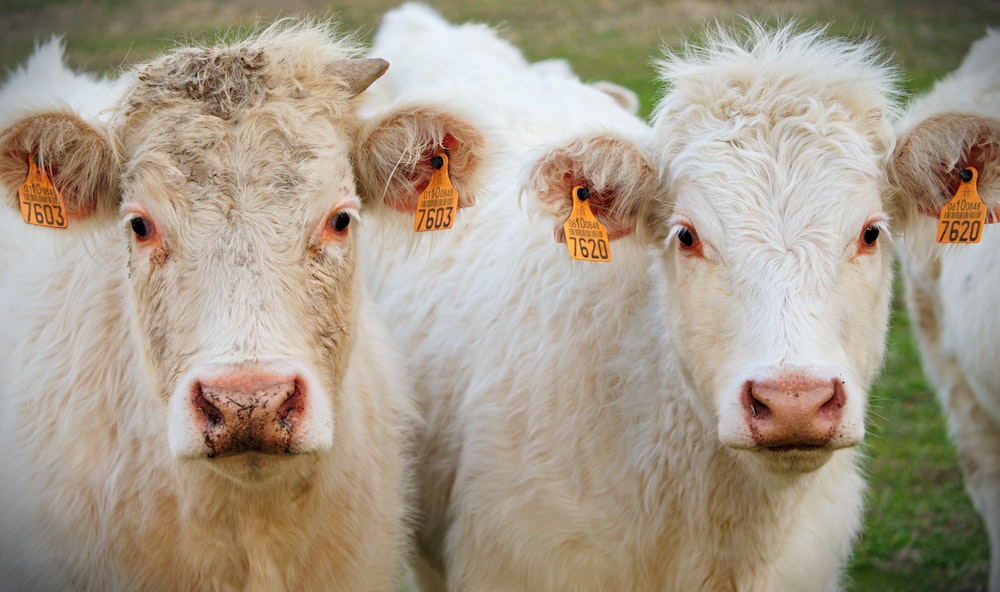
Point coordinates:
[[772, 110], [754, 71], [290, 60], [194, 121]]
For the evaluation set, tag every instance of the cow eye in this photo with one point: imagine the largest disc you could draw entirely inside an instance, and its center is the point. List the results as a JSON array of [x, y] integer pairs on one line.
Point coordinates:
[[339, 222], [870, 235], [142, 227], [686, 237]]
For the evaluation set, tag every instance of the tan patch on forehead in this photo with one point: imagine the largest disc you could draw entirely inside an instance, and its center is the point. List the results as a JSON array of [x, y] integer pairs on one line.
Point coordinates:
[[222, 81]]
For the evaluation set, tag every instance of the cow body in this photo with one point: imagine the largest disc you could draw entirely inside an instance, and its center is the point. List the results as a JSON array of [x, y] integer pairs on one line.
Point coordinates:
[[683, 417], [196, 394], [951, 290]]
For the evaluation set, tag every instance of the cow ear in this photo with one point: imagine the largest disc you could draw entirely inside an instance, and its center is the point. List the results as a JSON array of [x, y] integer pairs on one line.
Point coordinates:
[[77, 157], [625, 97], [393, 155], [927, 161], [617, 172]]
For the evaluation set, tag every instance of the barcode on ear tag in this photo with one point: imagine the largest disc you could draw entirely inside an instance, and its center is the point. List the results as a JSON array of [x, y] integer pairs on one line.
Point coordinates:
[[41, 202], [962, 218], [586, 237], [438, 203]]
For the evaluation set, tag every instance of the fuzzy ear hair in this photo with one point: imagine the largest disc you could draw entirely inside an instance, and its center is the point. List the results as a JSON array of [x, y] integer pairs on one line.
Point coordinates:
[[926, 164], [77, 157], [619, 175], [393, 153]]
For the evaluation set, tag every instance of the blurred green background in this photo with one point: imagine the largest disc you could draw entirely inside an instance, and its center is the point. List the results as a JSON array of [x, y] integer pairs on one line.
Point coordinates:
[[921, 533]]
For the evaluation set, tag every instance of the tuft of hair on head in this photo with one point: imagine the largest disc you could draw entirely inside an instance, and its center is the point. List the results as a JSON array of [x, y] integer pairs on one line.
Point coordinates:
[[758, 60]]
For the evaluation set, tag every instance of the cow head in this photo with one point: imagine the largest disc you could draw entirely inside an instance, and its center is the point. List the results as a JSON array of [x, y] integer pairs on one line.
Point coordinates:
[[770, 235], [774, 241], [228, 173]]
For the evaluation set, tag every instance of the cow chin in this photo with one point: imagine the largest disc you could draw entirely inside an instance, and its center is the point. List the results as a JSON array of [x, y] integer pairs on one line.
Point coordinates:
[[258, 467], [791, 459]]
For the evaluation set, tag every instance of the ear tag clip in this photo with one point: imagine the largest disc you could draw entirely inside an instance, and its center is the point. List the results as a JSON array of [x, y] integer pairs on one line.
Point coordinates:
[[586, 237], [438, 203], [962, 218], [41, 202]]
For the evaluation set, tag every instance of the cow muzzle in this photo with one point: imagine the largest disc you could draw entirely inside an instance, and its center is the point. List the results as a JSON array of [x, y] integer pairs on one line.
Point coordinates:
[[236, 409], [796, 413], [249, 413]]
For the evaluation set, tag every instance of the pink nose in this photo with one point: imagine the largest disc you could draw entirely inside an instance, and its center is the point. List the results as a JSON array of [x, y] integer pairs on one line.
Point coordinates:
[[245, 411], [794, 412]]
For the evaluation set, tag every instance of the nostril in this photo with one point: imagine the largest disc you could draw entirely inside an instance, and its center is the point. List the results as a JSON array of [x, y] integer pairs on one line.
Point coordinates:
[[836, 402], [291, 408], [757, 408], [210, 412]]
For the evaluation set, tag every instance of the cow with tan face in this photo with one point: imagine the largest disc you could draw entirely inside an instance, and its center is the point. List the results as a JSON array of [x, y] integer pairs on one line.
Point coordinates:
[[196, 394], [952, 289], [686, 415]]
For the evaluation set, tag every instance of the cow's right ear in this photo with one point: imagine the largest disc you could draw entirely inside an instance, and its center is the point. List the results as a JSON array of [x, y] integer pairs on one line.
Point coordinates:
[[618, 173], [78, 158], [393, 154]]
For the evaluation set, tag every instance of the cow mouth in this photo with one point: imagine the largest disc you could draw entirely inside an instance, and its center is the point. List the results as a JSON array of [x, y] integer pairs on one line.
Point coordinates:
[[793, 458], [794, 448], [254, 466]]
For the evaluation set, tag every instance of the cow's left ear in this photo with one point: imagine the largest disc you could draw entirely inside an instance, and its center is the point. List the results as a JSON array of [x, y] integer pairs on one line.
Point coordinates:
[[925, 166], [394, 153], [77, 157], [617, 173]]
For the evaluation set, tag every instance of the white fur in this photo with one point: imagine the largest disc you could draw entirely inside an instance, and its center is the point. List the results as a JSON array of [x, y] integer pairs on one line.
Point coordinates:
[[952, 294], [576, 411], [93, 497], [43, 82]]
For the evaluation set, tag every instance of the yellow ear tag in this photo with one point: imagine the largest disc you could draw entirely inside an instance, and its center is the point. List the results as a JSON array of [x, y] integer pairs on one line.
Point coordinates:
[[586, 237], [961, 220], [41, 202], [438, 203]]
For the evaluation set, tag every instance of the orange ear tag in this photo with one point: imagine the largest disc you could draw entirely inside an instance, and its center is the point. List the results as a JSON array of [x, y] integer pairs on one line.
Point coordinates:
[[438, 203], [961, 220], [586, 237], [41, 202]]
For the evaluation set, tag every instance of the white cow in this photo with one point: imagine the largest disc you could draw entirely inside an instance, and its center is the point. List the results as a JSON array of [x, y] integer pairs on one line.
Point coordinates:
[[952, 291], [684, 417], [195, 392]]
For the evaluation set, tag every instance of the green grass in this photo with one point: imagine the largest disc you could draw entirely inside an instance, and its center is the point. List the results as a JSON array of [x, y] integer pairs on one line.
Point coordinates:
[[921, 533]]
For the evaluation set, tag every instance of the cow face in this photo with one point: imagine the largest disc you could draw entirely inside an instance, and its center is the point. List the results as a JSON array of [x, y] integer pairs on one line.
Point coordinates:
[[774, 240], [775, 251], [769, 236], [237, 209]]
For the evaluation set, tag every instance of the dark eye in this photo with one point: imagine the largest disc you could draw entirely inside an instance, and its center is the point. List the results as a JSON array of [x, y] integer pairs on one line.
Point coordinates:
[[142, 227], [340, 222], [870, 235], [685, 236]]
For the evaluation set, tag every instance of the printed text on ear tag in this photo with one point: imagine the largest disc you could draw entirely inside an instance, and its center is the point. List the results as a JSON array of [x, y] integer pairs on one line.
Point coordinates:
[[438, 203], [961, 220], [586, 237], [41, 202]]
